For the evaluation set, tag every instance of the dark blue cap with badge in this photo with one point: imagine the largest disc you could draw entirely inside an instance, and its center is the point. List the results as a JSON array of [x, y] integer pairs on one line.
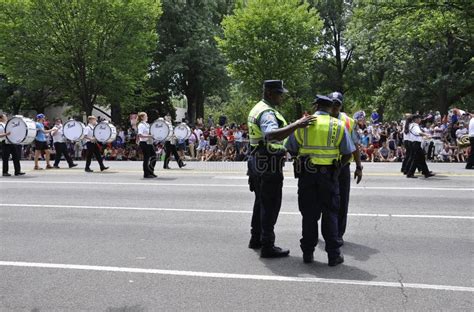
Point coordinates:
[[336, 97], [274, 85], [322, 99]]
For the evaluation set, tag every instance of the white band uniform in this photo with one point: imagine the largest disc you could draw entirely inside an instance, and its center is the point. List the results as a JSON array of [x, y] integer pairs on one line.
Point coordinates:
[[182, 131], [22, 130], [73, 130], [161, 130], [105, 132]]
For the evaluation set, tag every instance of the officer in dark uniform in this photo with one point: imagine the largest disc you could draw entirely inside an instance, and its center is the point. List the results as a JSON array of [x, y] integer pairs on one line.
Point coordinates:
[[268, 130], [323, 149], [345, 172]]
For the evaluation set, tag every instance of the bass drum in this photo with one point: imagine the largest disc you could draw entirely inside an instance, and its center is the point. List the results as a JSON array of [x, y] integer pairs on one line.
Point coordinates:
[[105, 132], [161, 130], [73, 130], [22, 130], [182, 131], [2, 131]]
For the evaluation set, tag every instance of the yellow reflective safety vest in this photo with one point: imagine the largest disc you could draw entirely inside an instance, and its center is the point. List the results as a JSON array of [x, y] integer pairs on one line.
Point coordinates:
[[321, 140], [349, 124], [255, 133]]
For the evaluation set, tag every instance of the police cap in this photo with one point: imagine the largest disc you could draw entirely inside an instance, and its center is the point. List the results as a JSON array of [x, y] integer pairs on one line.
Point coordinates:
[[321, 99], [274, 85], [336, 97]]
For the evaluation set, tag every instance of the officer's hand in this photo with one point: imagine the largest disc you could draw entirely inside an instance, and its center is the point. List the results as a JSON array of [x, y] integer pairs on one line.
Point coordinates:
[[358, 175], [305, 121]]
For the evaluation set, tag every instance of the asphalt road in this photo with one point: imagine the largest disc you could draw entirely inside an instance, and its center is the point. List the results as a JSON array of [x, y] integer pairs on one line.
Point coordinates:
[[113, 241]]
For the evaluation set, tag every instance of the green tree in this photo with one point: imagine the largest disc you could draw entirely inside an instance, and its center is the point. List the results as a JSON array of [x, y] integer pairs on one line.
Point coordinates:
[[187, 60], [416, 55], [83, 49], [272, 39]]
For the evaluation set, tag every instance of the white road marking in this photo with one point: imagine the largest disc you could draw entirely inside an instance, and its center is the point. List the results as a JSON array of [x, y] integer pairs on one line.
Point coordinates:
[[233, 276], [379, 215], [39, 182]]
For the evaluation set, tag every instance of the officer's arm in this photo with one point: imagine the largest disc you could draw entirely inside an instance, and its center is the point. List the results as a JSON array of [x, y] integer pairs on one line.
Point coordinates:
[[279, 134], [356, 140], [346, 147]]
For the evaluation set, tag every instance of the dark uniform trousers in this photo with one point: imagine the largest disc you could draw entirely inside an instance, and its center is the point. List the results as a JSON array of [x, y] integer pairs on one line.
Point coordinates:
[[149, 158], [267, 184], [61, 149], [93, 149], [406, 161], [171, 149], [470, 159], [417, 159], [7, 150], [344, 191], [318, 193]]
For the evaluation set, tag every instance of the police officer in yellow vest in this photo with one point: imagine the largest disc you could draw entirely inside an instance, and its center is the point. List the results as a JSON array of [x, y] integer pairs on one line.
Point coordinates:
[[267, 132], [322, 149], [345, 172]]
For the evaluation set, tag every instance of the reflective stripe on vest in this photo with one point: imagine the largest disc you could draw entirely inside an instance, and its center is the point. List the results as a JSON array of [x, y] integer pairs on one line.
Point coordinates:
[[349, 124], [255, 133], [320, 141]]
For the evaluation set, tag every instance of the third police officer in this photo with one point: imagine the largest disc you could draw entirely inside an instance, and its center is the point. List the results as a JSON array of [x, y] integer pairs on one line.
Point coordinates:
[[268, 130], [323, 148], [345, 171]]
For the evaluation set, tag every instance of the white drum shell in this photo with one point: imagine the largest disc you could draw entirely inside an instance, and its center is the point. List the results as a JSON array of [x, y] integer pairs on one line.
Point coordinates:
[[2, 131], [22, 130], [182, 131], [105, 132], [161, 130], [73, 130]]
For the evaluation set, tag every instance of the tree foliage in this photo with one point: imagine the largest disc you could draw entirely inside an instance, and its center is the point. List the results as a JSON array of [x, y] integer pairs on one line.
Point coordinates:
[[83, 49], [271, 39]]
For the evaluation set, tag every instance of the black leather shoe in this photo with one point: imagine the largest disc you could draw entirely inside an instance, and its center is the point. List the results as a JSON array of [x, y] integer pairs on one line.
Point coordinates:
[[154, 175], [335, 261], [308, 257], [182, 165], [104, 168], [19, 173], [273, 252], [429, 174], [56, 167], [149, 176], [411, 176], [166, 167], [73, 165], [255, 243], [88, 170], [7, 175]]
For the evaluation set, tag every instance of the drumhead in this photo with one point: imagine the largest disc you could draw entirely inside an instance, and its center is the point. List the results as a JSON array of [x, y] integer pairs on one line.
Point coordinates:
[[182, 131], [161, 130], [2, 131], [22, 130], [73, 130], [105, 132]]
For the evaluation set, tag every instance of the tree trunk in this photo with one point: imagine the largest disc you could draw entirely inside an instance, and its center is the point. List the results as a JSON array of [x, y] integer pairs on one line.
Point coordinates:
[[116, 112]]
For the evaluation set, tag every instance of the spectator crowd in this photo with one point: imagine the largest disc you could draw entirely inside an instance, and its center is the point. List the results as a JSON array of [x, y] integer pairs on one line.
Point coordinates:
[[379, 141]]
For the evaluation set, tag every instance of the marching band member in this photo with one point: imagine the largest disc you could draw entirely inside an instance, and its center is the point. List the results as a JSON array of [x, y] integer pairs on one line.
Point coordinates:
[[146, 145], [60, 145], [7, 150], [41, 142], [91, 145], [418, 155]]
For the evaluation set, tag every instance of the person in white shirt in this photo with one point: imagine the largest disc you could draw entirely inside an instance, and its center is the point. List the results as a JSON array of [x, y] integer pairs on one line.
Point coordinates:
[[91, 144], [461, 131], [7, 150], [60, 146], [470, 159], [146, 145], [418, 154]]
